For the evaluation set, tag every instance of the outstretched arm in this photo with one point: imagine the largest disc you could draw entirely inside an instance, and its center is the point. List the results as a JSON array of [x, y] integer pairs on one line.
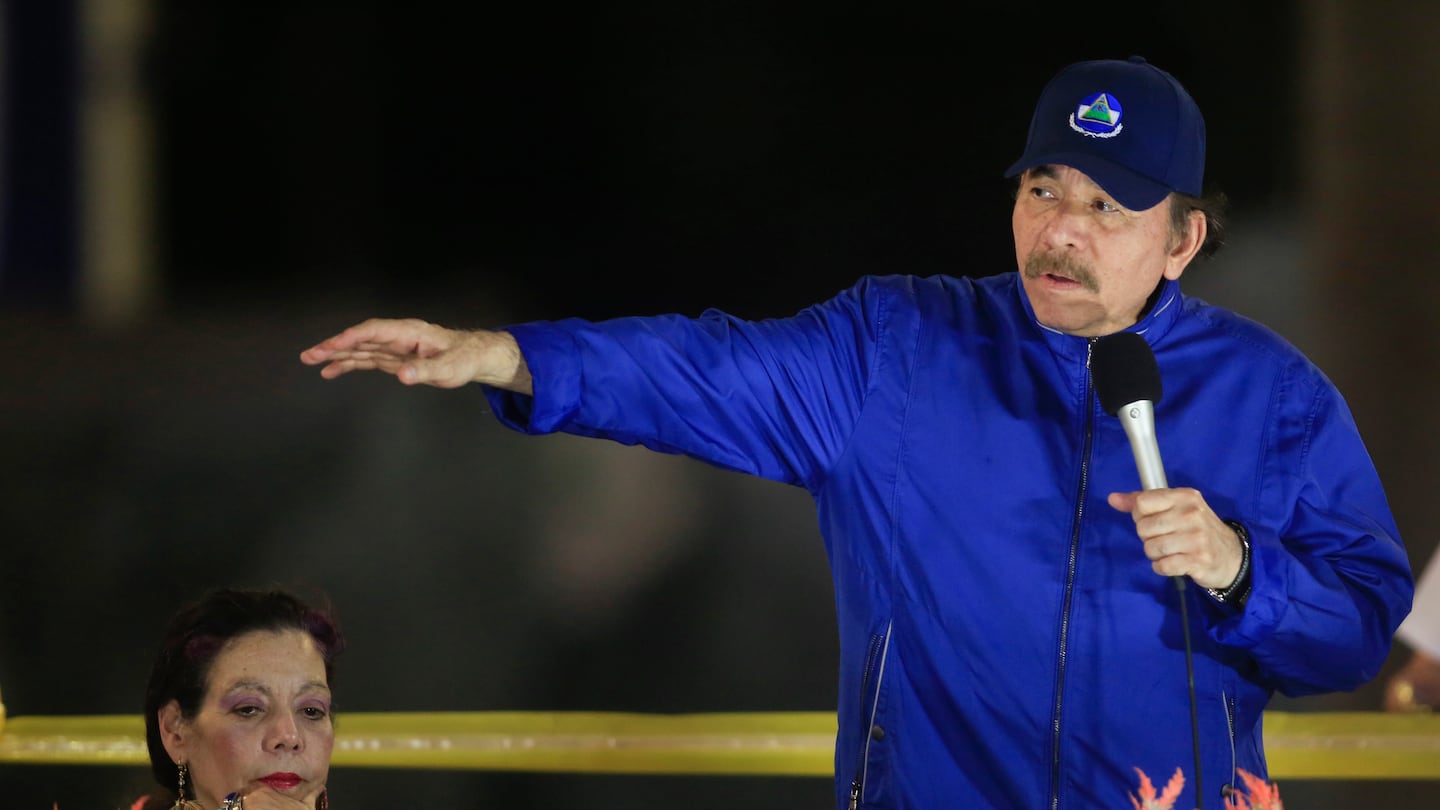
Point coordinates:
[[418, 352]]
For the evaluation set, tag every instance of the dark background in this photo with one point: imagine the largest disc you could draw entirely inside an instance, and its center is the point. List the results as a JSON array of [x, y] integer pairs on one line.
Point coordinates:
[[313, 164], [641, 157]]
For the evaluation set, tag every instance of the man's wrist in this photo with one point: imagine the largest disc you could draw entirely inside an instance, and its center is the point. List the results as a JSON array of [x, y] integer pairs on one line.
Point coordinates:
[[1238, 591]]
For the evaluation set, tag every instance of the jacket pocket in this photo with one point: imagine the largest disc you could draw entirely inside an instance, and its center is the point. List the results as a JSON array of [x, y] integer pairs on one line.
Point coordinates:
[[870, 730]]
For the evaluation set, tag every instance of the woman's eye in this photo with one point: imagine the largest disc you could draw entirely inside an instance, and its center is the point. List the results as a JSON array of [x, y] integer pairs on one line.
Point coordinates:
[[247, 711], [314, 712]]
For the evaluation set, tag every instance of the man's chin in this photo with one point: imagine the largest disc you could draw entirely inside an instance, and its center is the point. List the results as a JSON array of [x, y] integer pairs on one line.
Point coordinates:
[[1066, 320]]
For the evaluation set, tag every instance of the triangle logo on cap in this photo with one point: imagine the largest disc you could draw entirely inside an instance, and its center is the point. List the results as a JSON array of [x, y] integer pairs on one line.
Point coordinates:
[[1098, 116]]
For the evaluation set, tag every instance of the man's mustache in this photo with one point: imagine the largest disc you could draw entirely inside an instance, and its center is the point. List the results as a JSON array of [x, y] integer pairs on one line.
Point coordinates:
[[1060, 264]]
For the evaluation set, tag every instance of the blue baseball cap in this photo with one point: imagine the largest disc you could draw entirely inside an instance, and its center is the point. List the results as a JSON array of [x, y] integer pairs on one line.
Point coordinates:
[[1127, 124]]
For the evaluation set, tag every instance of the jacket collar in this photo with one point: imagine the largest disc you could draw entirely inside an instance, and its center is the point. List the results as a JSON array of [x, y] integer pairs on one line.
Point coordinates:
[[1153, 325]]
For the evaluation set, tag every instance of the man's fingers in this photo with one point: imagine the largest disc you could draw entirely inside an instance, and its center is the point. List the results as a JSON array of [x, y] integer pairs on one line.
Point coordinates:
[[388, 345], [315, 355], [1170, 567], [1154, 549], [401, 337], [346, 362], [1122, 501]]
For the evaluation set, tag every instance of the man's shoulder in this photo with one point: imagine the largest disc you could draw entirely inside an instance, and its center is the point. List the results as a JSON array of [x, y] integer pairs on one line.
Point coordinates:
[[1242, 329], [1234, 337]]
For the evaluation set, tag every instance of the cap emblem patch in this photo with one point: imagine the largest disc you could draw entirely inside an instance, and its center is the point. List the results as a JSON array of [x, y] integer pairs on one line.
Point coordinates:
[[1098, 117]]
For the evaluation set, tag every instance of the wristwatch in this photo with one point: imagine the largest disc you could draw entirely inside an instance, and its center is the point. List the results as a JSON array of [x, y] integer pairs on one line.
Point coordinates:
[[1236, 593]]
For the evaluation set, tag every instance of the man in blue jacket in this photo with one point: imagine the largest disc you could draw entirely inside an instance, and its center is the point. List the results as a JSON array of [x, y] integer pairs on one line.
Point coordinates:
[[1010, 634]]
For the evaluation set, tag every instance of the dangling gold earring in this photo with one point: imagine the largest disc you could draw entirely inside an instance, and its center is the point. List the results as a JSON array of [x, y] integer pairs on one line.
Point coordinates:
[[182, 803]]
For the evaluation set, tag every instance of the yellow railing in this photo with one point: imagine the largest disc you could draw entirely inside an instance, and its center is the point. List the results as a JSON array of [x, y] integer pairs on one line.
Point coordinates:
[[1312, 745]]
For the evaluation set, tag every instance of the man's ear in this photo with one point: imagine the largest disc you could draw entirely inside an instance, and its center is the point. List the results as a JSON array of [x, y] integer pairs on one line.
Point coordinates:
[[174, 731], [1185, 248]]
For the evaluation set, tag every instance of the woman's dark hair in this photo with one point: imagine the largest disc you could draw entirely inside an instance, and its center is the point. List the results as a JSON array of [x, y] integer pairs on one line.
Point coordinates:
[[196, 635]]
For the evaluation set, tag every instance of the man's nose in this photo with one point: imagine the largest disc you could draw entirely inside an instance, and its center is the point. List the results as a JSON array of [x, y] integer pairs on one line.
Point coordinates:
[[1067, 224]]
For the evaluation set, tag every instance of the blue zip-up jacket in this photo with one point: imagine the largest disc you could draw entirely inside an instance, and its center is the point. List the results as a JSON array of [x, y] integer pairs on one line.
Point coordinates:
[[1004, 641]]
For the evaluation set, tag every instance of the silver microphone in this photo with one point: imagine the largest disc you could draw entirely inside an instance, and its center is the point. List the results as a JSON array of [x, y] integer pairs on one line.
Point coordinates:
[[1127, 380], [1138, 419]]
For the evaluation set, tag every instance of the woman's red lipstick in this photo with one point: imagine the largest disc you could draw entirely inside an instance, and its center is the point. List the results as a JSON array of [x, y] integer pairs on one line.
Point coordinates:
[[282, 781]]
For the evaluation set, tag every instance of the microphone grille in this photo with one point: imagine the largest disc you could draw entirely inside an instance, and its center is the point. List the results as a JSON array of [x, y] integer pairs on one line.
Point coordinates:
[[1124, 370]]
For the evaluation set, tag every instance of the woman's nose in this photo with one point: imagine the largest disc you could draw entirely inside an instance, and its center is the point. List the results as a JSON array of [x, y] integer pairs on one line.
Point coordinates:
[[284, 733]]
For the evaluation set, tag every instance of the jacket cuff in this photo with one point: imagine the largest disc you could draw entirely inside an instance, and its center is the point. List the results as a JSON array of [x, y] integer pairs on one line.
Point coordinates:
[[556, 373]]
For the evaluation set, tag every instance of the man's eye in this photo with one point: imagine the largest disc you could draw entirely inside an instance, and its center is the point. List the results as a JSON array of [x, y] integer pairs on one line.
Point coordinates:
[[1106, 205]]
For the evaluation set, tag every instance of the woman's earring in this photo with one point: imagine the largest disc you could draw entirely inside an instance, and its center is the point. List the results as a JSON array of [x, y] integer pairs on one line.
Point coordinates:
[[181, 803]]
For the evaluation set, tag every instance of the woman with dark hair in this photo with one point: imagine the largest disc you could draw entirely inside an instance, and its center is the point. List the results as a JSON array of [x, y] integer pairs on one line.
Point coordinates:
[[238, 707]]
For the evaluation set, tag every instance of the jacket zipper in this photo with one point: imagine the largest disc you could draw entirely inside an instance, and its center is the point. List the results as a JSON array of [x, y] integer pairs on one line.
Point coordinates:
[[875, 655], [1070, 581]]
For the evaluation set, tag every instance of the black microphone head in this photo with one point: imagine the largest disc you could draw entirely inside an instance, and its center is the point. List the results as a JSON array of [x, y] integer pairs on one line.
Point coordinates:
[[1124, 370]]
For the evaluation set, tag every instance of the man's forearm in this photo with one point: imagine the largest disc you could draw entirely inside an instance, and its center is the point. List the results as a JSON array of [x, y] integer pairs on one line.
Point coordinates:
[[503, 364]]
